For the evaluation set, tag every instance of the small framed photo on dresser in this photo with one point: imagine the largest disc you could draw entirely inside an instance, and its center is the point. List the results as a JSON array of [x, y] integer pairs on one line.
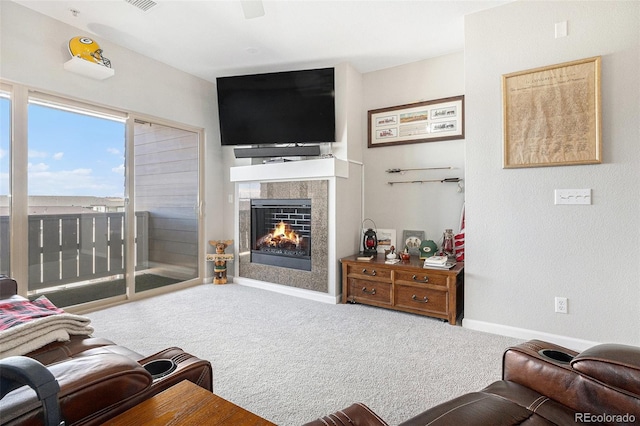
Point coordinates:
[[411, 240], [386, 239]]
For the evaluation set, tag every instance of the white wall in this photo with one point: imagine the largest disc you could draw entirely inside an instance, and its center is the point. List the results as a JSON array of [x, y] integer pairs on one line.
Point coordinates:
[[428, 207], [33, 49], [521, 249]]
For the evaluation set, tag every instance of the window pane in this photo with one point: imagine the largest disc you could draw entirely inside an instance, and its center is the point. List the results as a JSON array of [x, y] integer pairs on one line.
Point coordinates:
[[166, 201], [76, 205], [5, 138]]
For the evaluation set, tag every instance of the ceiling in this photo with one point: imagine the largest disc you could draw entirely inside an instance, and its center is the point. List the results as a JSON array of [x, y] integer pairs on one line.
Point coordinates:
[[210, 39]]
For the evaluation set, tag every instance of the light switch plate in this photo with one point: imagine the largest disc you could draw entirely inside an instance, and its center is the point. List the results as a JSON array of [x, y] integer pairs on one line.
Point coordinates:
[[561, 29], [573, 196]]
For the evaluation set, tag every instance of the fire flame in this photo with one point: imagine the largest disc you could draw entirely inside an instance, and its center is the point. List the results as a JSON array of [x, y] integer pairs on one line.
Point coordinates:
[[282, 231], [282, 236]]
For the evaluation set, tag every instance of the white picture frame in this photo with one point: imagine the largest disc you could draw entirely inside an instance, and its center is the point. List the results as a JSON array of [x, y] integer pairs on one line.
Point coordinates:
[[386, 239]]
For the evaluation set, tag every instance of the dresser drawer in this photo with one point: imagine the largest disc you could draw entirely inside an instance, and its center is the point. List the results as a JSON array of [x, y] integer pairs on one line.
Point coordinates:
[[421, 298], [365, 270], [425, 276], [369, 291]]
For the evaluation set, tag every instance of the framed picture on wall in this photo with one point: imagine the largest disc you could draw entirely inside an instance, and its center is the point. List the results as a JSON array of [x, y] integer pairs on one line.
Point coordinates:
[[411, 240], [552, 115], [429, 121]]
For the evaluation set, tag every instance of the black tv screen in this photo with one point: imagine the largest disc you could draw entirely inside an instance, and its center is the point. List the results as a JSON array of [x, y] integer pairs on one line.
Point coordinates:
[[277, 108]]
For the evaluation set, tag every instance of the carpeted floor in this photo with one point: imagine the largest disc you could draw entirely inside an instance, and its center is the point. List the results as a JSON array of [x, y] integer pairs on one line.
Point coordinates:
[[292, 360]]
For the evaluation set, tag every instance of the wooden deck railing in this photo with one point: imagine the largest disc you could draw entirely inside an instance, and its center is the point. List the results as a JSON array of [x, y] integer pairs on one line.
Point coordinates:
[[68, 248]]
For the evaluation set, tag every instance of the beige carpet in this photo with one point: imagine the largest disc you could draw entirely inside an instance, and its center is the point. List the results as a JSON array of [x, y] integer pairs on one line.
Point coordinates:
[[292, 360]]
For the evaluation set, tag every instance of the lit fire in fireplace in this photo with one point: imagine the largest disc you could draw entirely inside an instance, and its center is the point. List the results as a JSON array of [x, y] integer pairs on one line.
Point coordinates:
[[282, 237]]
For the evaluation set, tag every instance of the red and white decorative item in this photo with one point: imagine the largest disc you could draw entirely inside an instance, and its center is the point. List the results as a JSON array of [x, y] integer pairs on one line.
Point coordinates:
[[448, 248], [459, 239]]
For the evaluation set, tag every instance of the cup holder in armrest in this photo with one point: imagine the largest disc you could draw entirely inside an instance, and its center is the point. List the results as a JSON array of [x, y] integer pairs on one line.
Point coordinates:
[[160, 367], [557, 356]]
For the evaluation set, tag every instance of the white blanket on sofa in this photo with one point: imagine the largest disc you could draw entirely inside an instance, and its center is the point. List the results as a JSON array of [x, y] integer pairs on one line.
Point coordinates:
[[28, 333]]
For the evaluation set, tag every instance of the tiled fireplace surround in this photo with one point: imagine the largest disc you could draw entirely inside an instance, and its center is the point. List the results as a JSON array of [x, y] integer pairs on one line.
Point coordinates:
[[317, 191], [313, 179]]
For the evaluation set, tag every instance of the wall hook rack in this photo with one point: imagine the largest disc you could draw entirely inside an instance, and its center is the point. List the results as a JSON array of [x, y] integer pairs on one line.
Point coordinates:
[[421, 168], [430, 180]]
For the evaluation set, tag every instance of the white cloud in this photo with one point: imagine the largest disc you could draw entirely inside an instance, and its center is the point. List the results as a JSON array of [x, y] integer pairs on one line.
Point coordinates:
[[37, 168], [37, 154], [69, 182], [58, 155], [79, 172], [119, 169], [3, 153], [114, 151]]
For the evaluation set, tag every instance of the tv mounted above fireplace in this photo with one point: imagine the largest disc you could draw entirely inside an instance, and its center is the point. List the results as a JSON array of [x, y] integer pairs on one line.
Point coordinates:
[[284, 108]]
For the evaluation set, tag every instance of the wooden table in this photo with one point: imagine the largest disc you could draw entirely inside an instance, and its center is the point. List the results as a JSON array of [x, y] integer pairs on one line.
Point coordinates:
[[187, 404]]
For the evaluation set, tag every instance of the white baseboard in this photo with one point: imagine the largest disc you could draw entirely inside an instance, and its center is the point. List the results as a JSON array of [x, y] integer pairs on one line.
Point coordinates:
[[291, 291], [526, 334]]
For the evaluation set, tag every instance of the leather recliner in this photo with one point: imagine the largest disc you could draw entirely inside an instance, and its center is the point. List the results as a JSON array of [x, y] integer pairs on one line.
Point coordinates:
[[97, 378], [17, 371], [542, 384]]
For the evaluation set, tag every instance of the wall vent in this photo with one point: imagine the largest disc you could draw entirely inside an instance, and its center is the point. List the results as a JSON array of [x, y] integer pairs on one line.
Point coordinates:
[[143, 5]]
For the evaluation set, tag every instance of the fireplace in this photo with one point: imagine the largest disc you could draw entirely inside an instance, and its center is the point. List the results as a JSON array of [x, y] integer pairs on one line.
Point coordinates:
[[281, 233]]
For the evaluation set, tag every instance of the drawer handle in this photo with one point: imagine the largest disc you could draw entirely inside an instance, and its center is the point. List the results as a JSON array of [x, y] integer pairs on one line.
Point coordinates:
[[373, 273], [371, 292], [423, 300], [424, 280]]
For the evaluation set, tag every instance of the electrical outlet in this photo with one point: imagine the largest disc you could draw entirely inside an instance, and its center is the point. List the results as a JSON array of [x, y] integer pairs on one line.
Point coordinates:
[[561, 305]]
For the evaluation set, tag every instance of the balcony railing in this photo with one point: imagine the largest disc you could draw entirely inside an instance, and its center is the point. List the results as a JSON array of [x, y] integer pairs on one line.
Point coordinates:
[[70, 248]]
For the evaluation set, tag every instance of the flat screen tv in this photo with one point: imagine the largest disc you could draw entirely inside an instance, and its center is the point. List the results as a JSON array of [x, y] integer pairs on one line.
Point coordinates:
[[277, 108]]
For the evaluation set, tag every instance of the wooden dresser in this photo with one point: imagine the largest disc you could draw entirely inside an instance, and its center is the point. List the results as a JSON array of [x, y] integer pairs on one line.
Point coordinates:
[[404, 286]]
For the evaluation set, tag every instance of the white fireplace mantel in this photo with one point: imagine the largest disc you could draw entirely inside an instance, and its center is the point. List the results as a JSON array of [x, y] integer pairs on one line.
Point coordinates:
[[291, 170]]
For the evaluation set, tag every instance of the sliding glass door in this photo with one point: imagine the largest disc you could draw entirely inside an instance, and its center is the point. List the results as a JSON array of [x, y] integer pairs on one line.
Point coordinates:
[[166, 182], [5, 146], [105, 206], [76, 224]]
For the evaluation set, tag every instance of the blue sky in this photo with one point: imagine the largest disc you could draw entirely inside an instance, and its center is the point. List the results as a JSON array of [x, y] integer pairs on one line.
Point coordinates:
[[69, 153]]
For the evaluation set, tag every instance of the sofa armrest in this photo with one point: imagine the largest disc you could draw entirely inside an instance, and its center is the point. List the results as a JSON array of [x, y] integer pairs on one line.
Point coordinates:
[[8, 287], [187, 367], [616, 365], [558, 380], [535, 356], [91, 386]]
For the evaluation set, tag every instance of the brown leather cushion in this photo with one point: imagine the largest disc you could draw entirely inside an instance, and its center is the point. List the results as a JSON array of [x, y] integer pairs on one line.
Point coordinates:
[[613, 364], [355, 415], [61, 351], [501, 403], [8, 287], [89, 386]]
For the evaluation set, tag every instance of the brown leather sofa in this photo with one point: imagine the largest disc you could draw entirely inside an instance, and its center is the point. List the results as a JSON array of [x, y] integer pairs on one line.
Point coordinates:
[[99, 379], [542, 384]]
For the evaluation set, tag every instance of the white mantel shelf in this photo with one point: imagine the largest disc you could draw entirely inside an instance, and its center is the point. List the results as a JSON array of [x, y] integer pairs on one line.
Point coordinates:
[[291, 170]]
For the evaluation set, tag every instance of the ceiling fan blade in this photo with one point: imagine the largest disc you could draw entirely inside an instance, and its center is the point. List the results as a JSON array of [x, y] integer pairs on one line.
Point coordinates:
[[252, 8]]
